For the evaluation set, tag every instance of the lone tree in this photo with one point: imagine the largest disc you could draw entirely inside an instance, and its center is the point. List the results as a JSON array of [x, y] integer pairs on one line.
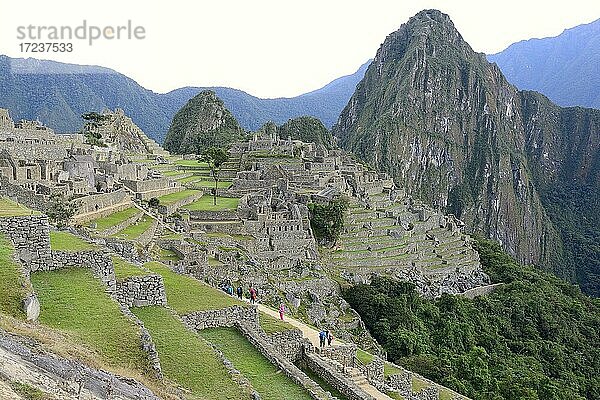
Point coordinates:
[[61, 210], [91, 128], [214, 157]]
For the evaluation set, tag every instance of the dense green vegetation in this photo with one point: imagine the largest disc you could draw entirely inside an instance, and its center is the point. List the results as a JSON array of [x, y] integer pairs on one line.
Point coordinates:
[[12, 291], [75, 302], [186, 359], [268, 381], [327, 220], [536, 337], [186, 294], [308, 129], [202, 122]]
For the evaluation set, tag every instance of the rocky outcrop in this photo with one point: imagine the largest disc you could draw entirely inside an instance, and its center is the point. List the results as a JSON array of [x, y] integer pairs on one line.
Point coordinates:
[[451, 130], [203, 122]]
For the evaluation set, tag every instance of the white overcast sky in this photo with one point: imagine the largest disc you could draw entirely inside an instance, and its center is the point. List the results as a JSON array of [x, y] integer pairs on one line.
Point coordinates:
[[271, 48]]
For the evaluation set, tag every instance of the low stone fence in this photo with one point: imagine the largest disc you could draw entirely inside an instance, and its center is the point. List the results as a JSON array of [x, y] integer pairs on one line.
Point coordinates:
[[99, 262], [22, 195], [172, 208], [225, 317], [95, 202], [125, 249], [373, 370], [342, 353], [141, 291], [146, 237], [225, 215], [288, 343]]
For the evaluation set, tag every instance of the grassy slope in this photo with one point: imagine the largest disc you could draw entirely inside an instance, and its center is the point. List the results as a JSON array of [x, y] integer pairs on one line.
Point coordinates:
[[175, 197], [125, 269], [270, 383], [9, 208], [186, 294], [272, 325], [186, 359], [133, 231], [11, 289], [65, 241], [114, 219], [74, 301], [205, 203]]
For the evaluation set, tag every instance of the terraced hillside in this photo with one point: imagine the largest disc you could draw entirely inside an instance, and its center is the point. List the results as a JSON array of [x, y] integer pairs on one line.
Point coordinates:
[[392, 235]]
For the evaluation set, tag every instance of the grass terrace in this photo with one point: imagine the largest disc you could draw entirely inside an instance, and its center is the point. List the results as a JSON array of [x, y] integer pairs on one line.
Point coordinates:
[[66, 241], [191, 163], [11, 281], [168, 255], [75, 302], [136, 229], [266, 379], [364, 357], [390, 369], [418, 384], [114, 219], [186, 359], [186, 294], [177, 196], [272, 325], [205, 203], [124, 269], [9, 208]]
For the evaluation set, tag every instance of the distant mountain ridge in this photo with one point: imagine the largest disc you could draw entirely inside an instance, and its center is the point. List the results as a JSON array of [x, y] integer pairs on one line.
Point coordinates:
[[564, 67], [58, 93]]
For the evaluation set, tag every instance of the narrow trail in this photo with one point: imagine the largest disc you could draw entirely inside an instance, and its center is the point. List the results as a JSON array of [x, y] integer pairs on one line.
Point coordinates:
[[313, 335]]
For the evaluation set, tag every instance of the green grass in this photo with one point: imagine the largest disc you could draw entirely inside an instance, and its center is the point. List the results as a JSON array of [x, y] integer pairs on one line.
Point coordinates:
[[75, 302], [272, 325], [171, 235], [12, 291], [66, 241], [174, 172], [389, 369], [124, 269], [29, 392], [186, 294], [213, 262], [186, 359], [364, 357], [418, 384], [205, 203], [114, 219], [191, 163], [395, 395], [9, 208], [134, 230], [168, 255], [445, 394], [209, 184], [267, 380], [177, 196]]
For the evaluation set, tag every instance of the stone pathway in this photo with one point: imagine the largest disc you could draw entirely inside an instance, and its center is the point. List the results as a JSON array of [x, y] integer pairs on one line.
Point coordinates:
[[313, 335]]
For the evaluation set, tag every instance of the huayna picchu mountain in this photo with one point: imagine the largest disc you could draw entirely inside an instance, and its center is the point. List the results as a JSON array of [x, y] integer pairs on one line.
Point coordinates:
[[447, 125], [203, 122]]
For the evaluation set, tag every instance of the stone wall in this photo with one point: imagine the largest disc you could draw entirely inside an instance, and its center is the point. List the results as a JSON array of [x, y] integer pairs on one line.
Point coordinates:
[[225, 317], [98, 261], [226, 215], [31, 240], [342, 353], [373, 370], [125, 249], [146, 237], [122, 225], [288, 343], [94, 202], [141, 291], [22, 195], [335, 378]]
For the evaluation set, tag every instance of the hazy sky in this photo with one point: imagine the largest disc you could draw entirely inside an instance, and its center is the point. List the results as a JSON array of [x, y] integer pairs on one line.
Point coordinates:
[[269, 48]]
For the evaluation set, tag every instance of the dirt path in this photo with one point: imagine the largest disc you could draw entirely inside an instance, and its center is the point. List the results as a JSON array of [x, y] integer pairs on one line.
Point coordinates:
[[313, 335]]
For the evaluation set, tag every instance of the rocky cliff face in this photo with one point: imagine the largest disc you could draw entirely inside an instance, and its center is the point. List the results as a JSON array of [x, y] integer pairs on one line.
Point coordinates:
[[448, 127], [203, 122]]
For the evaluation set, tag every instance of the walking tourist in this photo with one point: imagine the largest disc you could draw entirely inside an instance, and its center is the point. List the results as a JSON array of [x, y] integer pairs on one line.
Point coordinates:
[[281, 311]]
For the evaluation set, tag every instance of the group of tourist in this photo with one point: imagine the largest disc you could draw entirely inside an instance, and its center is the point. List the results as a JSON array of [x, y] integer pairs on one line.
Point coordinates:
[[228, 288], [325, 338]]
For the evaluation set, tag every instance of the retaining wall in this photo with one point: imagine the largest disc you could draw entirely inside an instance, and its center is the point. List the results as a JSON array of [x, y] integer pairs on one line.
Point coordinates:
[[141, 291]]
